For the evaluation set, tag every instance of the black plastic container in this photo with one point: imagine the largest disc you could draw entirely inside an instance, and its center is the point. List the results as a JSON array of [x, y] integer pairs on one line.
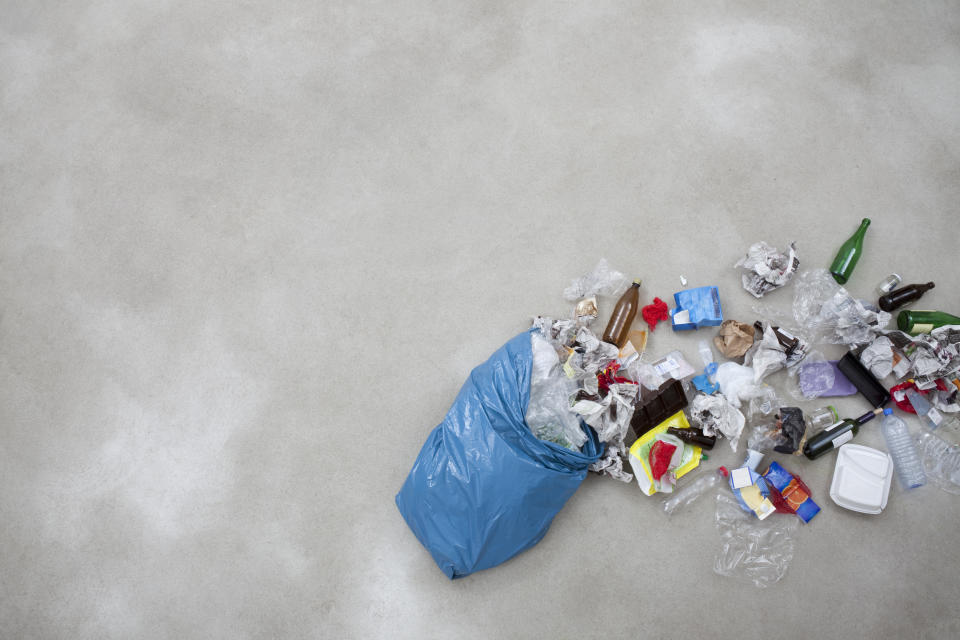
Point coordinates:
[[865, 382]]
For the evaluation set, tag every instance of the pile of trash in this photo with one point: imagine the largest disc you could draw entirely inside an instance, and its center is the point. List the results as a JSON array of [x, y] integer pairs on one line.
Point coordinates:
[[634, 416]]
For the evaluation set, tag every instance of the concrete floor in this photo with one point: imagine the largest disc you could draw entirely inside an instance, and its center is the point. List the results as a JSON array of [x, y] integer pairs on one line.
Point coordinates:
[[250, 251]]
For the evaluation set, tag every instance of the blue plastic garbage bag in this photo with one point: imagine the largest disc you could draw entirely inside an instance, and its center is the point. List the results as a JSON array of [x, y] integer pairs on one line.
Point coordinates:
[[484, 488]]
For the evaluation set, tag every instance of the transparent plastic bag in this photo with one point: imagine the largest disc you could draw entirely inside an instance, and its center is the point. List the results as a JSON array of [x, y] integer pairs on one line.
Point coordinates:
[[703, 484], [761, 401], [829, 314], [750, 549], [603, 280], [548, 413]]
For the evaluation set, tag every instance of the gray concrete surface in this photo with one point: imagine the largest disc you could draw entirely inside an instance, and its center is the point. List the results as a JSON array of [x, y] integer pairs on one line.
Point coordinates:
[[250, 251]]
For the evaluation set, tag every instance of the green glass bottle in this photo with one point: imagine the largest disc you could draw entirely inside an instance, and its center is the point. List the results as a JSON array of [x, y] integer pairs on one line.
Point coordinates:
[[849, 254], [915, 322]]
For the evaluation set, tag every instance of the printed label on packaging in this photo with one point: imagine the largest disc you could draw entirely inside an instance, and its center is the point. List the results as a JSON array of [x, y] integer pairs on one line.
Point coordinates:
[[667, 366], [834, 426], [935, 416], [741, 478], [843, 439]]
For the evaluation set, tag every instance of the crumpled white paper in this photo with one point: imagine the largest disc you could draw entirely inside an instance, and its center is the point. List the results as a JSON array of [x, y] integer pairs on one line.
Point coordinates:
[[770, 268], [713, 414], [610, 418], [878, 357]]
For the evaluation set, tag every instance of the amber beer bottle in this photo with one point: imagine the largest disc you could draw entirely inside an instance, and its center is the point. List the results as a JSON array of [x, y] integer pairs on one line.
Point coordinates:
[[623, 315], [904, 295]]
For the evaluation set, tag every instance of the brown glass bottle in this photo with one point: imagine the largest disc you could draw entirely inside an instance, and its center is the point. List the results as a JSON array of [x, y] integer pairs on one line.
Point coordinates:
[[904, 295], [693, 436], [623, 315]]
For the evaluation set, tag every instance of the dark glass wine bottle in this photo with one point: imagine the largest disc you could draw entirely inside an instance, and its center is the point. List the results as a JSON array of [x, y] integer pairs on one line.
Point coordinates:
[[836, 435], [904, 295], [915, 322], [849, 254], [623, 315]]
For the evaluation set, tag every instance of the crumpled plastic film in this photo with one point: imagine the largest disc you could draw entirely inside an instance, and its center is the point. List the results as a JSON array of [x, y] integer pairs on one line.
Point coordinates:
[[783, 435], [735, 381], [762, 401], [750, 549], [830, 314], [603, 280], [769, 268], [548, 412], [713, 414]]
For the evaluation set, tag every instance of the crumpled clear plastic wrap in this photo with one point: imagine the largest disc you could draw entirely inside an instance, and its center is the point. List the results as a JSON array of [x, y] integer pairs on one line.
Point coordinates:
[[750, 549], [782, 435], [645, 374], [548, 413], [761, 400], [769, 269], [713, 414], [736, 383], [941, 461], [603, 280], [829, 314]]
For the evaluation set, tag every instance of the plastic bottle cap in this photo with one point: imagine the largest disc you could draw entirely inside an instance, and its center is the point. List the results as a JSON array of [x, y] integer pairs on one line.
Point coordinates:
[[888, 411]]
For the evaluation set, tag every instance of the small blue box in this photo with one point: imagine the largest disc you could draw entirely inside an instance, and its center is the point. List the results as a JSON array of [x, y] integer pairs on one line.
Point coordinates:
[[696, 308]]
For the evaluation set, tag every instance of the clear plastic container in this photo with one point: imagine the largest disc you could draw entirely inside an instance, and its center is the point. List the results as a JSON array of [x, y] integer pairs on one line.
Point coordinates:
[[703, 484], [946, 426], [906, 459], [941, 461]]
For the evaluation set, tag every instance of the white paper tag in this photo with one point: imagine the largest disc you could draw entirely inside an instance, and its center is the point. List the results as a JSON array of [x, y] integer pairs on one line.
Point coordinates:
[[667, 366], [741, 478], [935, 416], [681, 317], [843, 439]]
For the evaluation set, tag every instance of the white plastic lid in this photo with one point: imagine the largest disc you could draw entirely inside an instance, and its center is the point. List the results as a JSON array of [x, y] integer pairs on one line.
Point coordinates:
[[861, 479]]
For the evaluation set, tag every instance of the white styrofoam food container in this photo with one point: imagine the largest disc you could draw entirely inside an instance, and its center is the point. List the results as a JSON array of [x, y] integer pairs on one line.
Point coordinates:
[[861, 479]]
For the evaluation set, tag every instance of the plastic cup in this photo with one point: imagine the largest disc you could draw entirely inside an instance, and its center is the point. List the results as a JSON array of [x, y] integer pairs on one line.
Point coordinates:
[[823, 418]]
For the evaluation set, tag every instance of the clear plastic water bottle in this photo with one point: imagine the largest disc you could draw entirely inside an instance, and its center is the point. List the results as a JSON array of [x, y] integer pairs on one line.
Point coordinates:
[[902, 449], [691, 492]]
